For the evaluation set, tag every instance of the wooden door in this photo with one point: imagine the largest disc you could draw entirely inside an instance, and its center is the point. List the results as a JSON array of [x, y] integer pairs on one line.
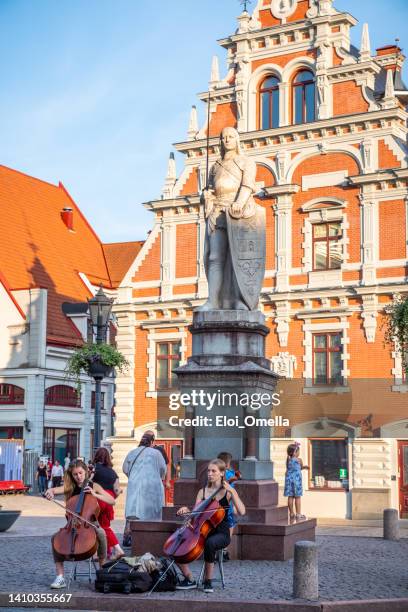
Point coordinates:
[[403, 477], [174, 452]]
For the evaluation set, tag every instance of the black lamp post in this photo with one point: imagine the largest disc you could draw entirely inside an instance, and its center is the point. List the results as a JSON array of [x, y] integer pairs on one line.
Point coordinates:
[[100, 307]]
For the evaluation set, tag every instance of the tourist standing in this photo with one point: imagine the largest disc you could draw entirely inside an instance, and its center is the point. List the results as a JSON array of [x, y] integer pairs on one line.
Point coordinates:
[[56, 474], [293, 481], [41, 477], [145, 468], [67, 461]]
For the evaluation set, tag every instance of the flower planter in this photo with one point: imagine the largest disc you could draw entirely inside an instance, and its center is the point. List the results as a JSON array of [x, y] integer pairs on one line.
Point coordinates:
[[8, 518], [97, 369]]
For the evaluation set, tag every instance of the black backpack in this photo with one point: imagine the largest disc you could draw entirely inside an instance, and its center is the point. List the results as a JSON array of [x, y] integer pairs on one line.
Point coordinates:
[[166, 581], [120, 577]]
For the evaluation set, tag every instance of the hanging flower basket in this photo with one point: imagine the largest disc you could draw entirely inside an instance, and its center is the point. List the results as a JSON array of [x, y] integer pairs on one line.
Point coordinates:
[[96, 360]]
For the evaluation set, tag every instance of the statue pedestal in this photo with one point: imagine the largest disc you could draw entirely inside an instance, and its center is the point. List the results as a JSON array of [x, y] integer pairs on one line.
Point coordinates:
[[228, 371]]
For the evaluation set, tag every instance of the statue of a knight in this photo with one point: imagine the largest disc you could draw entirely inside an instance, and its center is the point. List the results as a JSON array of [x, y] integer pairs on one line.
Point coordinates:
[[234, 253]]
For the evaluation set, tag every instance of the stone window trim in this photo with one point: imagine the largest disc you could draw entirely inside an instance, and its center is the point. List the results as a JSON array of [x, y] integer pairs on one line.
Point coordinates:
[[309, 329], [333, 212], [155, 337]]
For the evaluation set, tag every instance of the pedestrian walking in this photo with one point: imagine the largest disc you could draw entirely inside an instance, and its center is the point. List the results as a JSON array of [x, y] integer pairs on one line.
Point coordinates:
[[145, 468], [57, 474], [293, 481], [41, 477]]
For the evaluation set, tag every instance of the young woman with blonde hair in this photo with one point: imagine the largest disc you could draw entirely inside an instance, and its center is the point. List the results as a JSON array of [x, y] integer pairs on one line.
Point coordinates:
[[74, 479], [220, 536]]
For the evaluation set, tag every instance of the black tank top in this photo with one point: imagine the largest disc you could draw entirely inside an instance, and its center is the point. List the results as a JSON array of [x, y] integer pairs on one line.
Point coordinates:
[[224, 503]]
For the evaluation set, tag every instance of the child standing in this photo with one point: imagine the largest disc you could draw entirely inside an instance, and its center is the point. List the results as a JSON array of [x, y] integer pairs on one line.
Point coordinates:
[[293, 481], [229, 473]]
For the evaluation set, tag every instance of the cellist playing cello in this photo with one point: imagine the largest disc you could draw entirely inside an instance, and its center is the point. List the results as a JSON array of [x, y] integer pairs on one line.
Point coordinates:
[[220, 536], [75, 476]]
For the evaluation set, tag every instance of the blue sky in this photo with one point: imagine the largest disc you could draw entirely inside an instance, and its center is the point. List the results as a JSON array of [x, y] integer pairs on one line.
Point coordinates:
[[94, 92]]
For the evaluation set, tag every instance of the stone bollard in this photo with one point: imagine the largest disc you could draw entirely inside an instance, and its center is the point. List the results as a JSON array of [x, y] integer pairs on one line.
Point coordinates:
[[391, 525], [305, 571]]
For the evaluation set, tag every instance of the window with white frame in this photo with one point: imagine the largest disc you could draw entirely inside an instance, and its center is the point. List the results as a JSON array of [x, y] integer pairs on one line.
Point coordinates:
[[327, 245], [168, 357], [327, 358]]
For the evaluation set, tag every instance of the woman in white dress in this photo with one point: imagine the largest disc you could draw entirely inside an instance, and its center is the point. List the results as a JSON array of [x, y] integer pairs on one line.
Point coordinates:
[[145, 468]]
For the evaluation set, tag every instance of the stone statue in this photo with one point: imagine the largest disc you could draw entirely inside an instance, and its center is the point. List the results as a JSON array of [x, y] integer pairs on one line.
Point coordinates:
[[234, 253]]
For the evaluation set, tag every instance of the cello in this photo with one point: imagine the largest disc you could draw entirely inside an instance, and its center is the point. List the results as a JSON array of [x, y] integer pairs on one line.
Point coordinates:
[[187, 543], [77, 540]]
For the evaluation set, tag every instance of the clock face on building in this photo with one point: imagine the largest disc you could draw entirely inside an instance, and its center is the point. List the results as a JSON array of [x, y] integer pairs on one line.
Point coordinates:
[[281, 9]]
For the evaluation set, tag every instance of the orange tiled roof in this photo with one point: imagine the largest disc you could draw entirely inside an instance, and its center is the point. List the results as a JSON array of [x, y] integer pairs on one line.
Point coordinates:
[[38, 250], [119, 257]]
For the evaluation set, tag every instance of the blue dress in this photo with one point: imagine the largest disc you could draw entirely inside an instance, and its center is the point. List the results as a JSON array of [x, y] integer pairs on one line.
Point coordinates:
[[293, 479]]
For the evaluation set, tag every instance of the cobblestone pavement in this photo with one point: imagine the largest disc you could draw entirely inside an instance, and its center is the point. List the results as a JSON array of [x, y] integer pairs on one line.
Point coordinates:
[[349, 568]]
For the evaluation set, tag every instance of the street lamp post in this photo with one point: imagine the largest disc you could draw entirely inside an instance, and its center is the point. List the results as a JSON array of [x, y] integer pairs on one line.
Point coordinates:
[[99, 307]]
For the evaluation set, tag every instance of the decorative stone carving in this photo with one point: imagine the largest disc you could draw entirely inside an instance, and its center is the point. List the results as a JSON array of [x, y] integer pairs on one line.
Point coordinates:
[[313, 9], [365, 48], [170, 181], [282, 322], [369, 316], [282, 162], [284, 364], [367, 154], [282, 9], [215, 72], [193, 124]]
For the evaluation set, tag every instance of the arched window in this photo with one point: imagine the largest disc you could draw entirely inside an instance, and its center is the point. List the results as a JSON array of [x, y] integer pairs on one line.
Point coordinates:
[[269, 103], [304, 97], [11, 394], [62, 395]]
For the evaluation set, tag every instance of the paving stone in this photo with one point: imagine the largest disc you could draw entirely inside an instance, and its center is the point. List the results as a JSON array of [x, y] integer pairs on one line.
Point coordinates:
[[350, 568]]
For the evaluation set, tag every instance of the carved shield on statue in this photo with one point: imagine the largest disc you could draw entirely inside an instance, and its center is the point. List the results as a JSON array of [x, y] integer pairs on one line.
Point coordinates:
[[247, 242]]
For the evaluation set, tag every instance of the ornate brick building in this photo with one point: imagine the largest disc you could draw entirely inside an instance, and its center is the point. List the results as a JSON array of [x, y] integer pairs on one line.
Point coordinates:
[[326, 125]]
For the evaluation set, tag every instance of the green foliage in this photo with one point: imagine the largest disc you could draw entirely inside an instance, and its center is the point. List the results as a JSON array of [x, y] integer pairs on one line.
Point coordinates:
[[397, 328], [83, 357]]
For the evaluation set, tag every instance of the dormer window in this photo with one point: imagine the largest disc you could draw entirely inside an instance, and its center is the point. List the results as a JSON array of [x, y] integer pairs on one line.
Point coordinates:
[[269, 103], [304, 93]]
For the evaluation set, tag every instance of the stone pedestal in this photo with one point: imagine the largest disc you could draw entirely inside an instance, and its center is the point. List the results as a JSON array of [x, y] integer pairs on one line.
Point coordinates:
[[228, 364]]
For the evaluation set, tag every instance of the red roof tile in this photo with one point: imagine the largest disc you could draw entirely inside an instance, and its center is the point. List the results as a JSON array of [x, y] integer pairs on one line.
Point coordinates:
[[38, 250], [119, 257]]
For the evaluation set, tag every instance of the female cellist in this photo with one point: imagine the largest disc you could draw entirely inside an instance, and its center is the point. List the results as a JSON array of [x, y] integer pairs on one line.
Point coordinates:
[[74, 478], [220, 536]]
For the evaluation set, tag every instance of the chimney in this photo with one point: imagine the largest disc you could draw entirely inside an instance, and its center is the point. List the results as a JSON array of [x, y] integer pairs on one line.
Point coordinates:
[[67, 215]]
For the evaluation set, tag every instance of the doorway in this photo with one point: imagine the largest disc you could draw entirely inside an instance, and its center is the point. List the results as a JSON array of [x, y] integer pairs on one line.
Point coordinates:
[[174, 452], [403, 477]]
